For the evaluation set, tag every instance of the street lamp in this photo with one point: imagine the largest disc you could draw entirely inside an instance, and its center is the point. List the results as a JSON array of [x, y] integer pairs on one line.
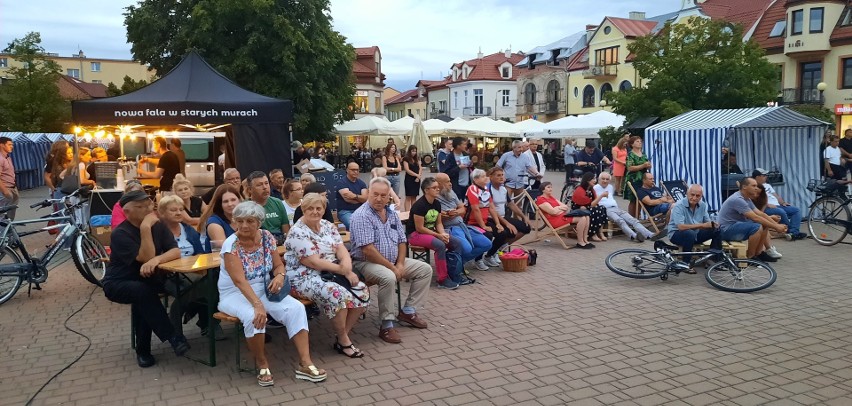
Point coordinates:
[[821, 86], [602, 104]]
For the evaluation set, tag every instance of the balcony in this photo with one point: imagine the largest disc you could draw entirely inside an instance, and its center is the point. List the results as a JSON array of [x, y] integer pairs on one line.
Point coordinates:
[[551, 107], [476, 112], [601, 72], [800, 96], [436, 112]]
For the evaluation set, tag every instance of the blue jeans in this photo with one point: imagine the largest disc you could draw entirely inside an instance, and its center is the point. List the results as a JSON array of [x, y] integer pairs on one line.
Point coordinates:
[[471, 248], [791, 216], [394, 181], [344, 216], [740, 231], [661, 208], [686, 239]]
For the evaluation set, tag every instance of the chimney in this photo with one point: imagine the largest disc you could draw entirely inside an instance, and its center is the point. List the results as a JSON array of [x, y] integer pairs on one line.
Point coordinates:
[[479, 54], [508, 53], [637, 15], [590, 29]]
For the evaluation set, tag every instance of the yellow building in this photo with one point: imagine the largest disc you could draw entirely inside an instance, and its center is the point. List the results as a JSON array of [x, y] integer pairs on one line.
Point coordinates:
[[410, 103], [369, 82], [811, 44], [89, 70]]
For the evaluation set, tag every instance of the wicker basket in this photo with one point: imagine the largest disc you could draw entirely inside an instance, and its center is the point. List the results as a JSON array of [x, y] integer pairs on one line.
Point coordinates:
[[516, 264]]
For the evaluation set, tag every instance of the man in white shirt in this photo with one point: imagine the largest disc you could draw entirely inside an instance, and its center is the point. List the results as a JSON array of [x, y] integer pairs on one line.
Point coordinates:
[[618, 215], [537, 161], [833, 164], [791, 216]]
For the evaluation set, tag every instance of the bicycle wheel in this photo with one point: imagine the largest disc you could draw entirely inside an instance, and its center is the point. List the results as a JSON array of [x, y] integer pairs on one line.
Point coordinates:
[[9, 283], [637, 263], [828, 220], [747, 275], [90, 258], [567, 193]]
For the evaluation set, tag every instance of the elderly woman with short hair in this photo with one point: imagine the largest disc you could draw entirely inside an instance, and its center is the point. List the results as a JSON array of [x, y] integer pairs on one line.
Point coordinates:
[[306, 179], [312, 246], [249, 258]]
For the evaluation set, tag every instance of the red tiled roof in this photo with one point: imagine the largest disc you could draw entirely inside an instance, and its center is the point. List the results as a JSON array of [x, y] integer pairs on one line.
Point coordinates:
[[488, 67], [741, 12], [72, 88], [632, 28], [775, 13], [364, 65], [430, 85], [841, 33], [403, 97], [577, 62], [366, 51]]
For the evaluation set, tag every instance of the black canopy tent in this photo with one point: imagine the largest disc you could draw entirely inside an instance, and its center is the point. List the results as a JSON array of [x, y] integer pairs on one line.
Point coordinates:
[[195, 93]]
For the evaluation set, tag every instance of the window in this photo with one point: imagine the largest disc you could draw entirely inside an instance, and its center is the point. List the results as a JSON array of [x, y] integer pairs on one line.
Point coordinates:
[[846, 17], [588, 96], [778, 29], [529, 94], [505, 98], [97, 81], [506, 74], [378, 100], [606, 56], [798, 22], [553, 91], [96, 66], [442, 106], [811, 75], [74, 73], [625, 86], [4, 62], [847, 73], [477, 101], [576, 92], [456, 99], [605, 88], [815, 23], [607, 30], [465, 98], [779, 78]]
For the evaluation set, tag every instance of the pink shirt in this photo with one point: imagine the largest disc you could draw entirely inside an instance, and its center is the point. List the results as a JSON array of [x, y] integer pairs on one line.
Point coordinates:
[[118, 216]]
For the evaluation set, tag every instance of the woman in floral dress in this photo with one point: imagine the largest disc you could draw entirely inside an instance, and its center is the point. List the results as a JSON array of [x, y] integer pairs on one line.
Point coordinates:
[[314, 245]]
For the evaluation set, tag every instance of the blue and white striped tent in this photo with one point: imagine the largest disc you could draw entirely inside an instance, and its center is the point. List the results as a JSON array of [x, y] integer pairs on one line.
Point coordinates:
[[689, 147]]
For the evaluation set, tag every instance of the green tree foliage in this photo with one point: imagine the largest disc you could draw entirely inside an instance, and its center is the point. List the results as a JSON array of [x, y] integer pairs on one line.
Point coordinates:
[[609, 136], [816, 111], [698, 64], [31, 101], [279, 48], [128, 86]]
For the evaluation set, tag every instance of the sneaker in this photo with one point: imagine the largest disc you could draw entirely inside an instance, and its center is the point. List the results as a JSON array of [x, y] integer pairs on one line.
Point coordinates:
[[465, 280], [659, 235], [448, 284], [641, 237], [799, 236], [492, 261], [179, 344], [480, 264], [772, 252], [764, 257]]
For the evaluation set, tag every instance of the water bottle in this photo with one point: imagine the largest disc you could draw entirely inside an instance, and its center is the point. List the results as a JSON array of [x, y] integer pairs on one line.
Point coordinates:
[[119, 179]]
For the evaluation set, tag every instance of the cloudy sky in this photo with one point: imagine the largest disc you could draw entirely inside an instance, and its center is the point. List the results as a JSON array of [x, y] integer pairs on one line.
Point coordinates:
[[418, 39]]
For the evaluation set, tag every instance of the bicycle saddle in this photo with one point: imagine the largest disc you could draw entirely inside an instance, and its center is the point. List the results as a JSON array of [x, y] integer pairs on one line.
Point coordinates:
[[661, 244]]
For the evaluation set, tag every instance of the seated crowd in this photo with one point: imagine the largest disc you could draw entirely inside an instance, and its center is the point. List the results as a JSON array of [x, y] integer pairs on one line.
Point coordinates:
[[246, 220]]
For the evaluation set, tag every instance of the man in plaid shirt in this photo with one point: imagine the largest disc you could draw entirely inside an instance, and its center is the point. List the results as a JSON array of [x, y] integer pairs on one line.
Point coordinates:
[[379, 255]]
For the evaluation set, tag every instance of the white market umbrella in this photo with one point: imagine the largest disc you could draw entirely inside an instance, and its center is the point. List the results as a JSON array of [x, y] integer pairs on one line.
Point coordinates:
[[494, 128], [529, 128], [420, 139], [561, 127], [460, 126], [434, 126]]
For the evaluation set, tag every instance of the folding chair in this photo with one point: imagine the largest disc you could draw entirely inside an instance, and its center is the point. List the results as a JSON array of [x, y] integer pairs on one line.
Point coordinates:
[[649, 219], [675, 188], [550, 229]]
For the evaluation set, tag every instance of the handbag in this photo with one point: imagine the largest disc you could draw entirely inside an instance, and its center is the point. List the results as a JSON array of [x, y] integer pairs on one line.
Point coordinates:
[[578, 213], [341, 280], [285, 289], [71, 181]]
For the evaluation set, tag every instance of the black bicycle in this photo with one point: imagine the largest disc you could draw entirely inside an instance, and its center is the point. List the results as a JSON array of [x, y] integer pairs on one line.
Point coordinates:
[[728, 274], [570, 185], [18, 266], [829, 217]]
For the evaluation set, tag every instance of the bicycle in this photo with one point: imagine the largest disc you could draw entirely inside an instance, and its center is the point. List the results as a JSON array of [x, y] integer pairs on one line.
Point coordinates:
[[829, 217], [568, 189], [727, 274], [16, 263]]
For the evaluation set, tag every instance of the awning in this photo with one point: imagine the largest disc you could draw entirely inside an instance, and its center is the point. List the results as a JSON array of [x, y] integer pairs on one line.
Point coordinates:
[[643, 123]]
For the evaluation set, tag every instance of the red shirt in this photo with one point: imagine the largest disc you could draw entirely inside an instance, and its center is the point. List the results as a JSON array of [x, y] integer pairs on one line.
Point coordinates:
[[478, 198]]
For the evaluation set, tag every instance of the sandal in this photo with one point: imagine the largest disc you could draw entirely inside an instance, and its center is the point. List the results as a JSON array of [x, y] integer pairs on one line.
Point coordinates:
[[311, 373], [341, 349], [264, 377], [690, 271]]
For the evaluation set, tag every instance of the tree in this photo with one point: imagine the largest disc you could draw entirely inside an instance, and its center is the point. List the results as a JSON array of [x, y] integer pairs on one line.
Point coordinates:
[[699, 64], [279, 48], [816, 111], [128, 86], [30, 102]]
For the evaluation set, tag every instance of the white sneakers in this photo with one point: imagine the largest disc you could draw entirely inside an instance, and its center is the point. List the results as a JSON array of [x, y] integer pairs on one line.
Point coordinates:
[[492, 260], [772, 252]]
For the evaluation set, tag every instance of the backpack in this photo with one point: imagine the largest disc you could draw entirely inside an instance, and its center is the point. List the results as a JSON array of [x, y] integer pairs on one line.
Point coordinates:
[[454, 266]]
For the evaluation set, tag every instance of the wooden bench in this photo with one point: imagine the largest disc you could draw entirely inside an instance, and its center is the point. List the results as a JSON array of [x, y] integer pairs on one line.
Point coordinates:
[[420, 253], [739, 249]]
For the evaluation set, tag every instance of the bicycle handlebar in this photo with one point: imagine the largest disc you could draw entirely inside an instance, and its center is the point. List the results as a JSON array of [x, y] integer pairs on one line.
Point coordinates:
[[48, 202]]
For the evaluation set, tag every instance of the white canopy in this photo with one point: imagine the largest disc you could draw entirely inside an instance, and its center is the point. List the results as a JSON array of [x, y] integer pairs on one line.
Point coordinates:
[[583, 126], [372, 125], [494, 128], [434, 126], [529, 127], [460, 126]]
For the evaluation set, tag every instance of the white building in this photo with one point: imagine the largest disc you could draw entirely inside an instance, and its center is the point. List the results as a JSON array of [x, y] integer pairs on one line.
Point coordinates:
[[484, 87]]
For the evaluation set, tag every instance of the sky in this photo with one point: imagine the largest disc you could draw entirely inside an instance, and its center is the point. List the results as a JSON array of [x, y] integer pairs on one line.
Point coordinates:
[[418, 39]]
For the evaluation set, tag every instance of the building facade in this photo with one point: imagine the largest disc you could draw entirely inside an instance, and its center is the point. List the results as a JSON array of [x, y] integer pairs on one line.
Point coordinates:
[[369, 82], [437, 97], [88, 70], [411, 103], [484, 87], [543, 79]]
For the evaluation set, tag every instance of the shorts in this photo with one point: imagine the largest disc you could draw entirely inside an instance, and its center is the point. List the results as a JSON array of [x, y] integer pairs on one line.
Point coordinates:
[[740, 231]]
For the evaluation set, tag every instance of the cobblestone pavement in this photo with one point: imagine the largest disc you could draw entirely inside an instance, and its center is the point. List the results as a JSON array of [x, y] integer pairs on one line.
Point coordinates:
[[568, 331]]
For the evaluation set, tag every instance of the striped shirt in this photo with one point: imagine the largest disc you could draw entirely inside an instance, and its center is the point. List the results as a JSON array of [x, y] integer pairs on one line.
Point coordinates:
[[367, 228]]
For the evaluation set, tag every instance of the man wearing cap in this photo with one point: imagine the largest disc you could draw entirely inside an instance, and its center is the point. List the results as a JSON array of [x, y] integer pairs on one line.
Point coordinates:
[[139, 245], [790, 215], [590, 158], [8, 185]]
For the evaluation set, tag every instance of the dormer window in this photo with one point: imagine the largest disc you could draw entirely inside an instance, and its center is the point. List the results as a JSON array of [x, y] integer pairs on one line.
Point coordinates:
[[506, 73], [778, 29], [846, 18]]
